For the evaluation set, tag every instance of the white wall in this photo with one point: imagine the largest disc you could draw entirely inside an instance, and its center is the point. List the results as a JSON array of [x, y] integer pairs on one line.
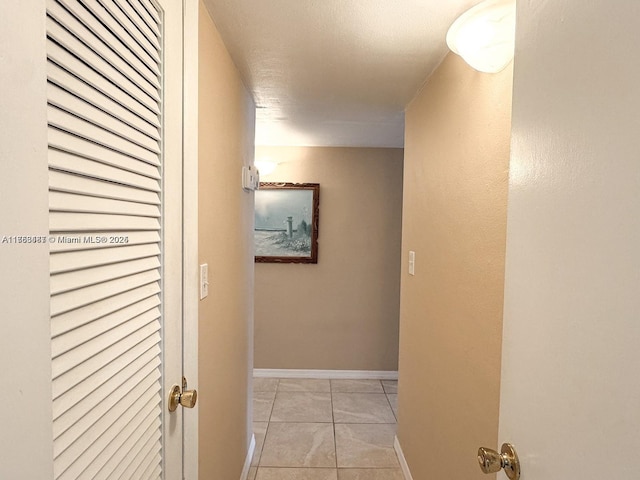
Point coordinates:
[[25, 350], [572, 297]]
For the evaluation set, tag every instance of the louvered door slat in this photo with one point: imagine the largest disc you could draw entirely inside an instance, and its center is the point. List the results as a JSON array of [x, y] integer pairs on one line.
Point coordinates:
[[88, 112], [70, 123], [74, 461], [108, 38], [82, 316], [61, 57], [113, 356], [65, 403], [105, 217], [68, 261], [81, 358], [127, 40], [78, 222], [65, 282], [129, 390], [68, 162], [70, 142], [61, 182], [115, 403], [145, 16], [112, 444], [145, 363], [151, 9], [114, 468], [141, 455], [67, 301], [64, 36], [149, 464], [69, 202], [66, 142], [68, 42], [76, 357], [137, 384], [141, 25], [157, 471], [88, 93], [93, 41], [144, 379], [130, 27]]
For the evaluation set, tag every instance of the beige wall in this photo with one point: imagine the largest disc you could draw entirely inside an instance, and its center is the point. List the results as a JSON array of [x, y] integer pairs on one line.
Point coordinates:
[[455, 194], [226, 132], [343, 312]]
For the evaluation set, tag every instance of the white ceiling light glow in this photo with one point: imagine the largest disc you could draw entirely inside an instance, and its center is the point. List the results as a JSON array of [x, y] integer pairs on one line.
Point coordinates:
[[484, 36], [265, 166]]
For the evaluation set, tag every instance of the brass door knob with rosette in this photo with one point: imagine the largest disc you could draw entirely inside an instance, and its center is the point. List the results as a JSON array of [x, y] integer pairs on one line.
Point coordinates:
[[182, 396], [491, 461]]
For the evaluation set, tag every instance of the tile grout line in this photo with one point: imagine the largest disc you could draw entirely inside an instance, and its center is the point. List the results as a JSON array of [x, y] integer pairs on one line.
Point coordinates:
[[391, 406], [333, 422], [264, 440]]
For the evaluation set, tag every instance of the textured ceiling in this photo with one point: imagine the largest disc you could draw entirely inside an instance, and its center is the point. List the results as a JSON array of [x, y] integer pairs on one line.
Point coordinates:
[[334, 72]]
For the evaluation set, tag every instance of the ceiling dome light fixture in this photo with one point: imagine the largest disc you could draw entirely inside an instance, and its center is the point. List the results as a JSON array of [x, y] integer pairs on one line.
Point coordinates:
[[484, 35]]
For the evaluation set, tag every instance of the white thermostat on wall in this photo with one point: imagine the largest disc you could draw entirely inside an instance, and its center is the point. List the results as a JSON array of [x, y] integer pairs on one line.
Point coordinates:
[[250, 178]]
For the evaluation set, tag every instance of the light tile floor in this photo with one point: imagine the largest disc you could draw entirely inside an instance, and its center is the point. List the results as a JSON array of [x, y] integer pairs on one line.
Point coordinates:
[[311, 429]]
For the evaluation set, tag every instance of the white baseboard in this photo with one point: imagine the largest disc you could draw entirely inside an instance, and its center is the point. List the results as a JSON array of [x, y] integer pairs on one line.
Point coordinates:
[[402, 460], [336, 374], [247, 460]]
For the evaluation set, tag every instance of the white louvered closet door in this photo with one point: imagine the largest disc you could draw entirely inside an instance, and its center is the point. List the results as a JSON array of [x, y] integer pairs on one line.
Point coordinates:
[[115, 154]]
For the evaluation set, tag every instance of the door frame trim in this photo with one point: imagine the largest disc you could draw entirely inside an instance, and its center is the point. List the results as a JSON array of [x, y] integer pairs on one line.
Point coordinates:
[[190, 9]]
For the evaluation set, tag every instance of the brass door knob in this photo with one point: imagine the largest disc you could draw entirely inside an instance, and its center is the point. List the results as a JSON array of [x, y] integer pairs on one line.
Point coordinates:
[[184, 397], [189, 398], [491, 461]]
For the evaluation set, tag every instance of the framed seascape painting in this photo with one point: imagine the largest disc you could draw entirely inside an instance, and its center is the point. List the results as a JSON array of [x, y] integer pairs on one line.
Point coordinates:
[[286, 222]]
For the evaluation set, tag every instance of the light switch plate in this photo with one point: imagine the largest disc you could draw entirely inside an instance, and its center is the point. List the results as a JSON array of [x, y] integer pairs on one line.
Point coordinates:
[[412, 263], [204, 281]]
